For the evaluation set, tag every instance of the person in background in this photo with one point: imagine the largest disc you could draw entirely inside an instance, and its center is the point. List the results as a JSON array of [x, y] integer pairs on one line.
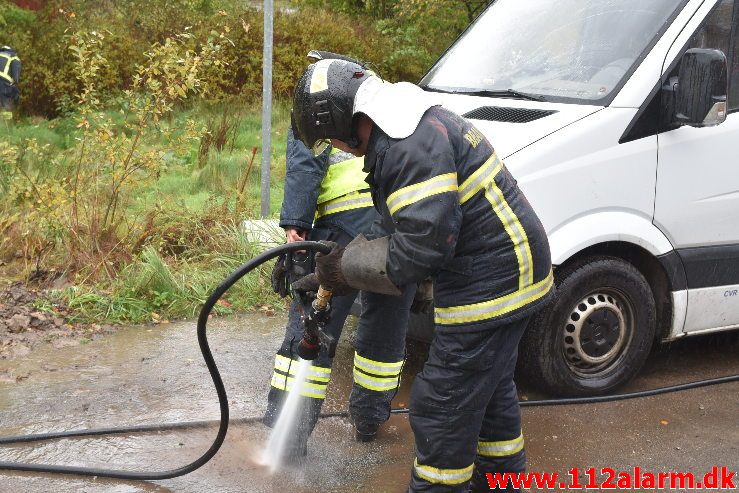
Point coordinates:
[[326, 197], [10, 75]]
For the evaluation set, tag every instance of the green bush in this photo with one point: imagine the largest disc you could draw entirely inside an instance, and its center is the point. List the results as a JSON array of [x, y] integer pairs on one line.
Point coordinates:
[[401, 46], [10, 15]]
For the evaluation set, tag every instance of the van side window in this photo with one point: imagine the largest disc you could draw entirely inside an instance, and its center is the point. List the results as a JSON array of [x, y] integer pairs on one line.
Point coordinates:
[[716, 33]]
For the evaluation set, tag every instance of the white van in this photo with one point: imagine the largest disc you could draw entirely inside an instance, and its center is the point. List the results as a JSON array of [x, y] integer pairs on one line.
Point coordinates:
[[620, 120]]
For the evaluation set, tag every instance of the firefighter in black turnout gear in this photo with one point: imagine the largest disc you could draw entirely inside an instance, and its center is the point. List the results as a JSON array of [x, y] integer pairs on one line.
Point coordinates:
[[10, 74], [453, 212], [327, 198]]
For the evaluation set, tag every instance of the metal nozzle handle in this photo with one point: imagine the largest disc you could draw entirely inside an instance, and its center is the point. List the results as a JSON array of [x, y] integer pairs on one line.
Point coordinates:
[[322, 298]]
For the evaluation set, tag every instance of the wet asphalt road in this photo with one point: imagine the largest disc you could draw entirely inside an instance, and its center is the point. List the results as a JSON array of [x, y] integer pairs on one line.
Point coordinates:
[[155, 375]]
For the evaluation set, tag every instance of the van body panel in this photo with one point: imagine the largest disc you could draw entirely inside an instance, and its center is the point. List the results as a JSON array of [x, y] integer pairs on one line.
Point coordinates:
[[597, 227], [508, 138], [679, 313], [582, 171], [696, 202], [713, 286], [712, 308]]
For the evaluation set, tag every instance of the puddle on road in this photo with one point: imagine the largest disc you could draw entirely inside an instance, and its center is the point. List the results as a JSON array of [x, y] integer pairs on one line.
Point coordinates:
[[155, 375], [149, 375]]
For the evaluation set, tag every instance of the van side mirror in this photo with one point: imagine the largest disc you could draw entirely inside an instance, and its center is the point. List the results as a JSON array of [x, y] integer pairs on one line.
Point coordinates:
[[702, 88]]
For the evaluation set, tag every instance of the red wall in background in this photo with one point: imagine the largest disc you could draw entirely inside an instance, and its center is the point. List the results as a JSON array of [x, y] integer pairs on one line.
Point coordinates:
[[30, 4]]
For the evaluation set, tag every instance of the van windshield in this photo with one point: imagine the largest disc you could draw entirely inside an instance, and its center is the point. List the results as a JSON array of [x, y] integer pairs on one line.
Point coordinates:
[[551, 49]]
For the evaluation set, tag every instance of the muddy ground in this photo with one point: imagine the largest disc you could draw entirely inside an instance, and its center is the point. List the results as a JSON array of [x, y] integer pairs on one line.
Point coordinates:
[[155, 374], [57, 375], [24, 324]]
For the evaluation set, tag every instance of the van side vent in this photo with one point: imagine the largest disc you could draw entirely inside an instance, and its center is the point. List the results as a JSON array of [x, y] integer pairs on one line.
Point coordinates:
[[509, 115]]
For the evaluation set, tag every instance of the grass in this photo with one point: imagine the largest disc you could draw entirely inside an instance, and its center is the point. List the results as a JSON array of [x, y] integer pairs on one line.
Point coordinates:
[[42, 132], [190, 186], [197, 238]]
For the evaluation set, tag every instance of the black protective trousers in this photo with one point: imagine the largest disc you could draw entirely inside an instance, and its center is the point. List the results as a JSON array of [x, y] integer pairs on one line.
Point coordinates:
[[9, 96], [464, 410], [380, 348]]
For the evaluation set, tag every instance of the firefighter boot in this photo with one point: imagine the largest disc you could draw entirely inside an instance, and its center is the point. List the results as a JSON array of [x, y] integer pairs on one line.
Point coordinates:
[[365, 431]]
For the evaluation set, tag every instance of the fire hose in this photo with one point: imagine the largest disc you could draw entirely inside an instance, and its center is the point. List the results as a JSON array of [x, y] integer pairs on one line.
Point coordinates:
[[223, 422], [212, 368]]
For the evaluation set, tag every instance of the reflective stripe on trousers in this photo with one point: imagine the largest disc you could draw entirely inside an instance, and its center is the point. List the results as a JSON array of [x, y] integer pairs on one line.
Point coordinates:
[[436, 475], [376, 375], [500, 448], [315, 384]]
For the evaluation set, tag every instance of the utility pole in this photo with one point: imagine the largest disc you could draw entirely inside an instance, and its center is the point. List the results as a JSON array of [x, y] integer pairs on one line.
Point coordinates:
[[267, 104]]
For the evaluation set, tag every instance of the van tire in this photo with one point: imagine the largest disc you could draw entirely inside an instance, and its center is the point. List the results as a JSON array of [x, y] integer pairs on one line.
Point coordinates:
[[595, 334]]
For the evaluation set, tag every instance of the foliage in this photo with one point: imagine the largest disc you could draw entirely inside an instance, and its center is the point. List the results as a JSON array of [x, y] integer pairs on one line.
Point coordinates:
[[10, 15], [415, 32], [35, 201], [140, 206], [78, 203], [400, 38], [219, 131], [112, 196], [161, 285]]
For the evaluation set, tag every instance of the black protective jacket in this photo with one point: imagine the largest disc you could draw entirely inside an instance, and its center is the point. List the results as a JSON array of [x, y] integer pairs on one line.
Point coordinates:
[[454, 212], [9, 88]]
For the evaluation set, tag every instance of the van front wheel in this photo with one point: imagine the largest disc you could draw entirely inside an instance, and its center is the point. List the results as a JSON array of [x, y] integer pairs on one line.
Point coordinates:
[[597, 332]]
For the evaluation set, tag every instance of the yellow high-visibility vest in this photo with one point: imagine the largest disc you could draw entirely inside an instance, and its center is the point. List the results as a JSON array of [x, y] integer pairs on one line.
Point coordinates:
[[344, 175], [5, 71]]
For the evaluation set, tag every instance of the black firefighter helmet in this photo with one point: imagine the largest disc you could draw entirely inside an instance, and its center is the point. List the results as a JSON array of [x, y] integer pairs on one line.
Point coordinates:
[[323, 106]]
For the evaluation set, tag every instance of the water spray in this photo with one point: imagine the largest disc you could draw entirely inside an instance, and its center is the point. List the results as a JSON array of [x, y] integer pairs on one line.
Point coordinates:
[[314, 338]]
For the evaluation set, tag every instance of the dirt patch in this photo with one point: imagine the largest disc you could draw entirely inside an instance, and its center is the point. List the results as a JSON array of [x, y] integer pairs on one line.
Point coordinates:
[[30, 316]]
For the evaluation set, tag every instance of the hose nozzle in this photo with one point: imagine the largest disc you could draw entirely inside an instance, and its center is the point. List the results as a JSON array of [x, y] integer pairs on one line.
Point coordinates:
[[314, 322], [308, 350]]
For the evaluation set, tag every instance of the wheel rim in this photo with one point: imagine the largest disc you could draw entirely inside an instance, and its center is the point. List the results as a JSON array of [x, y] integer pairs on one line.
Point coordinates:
[[598, 331]]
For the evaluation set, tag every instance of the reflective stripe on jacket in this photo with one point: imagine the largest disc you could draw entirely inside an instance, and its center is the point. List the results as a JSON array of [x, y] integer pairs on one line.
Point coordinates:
[[316, 377], [455, 212], [6, 63]]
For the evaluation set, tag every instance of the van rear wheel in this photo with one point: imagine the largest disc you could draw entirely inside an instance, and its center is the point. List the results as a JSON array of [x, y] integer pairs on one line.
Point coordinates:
[[596, 333]]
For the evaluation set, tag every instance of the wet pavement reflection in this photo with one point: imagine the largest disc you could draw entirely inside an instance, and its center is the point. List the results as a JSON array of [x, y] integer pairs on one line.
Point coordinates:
[[149, 375]]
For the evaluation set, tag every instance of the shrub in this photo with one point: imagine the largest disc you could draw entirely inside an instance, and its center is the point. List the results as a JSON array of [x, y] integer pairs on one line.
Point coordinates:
[[78, 203], [401, 44]]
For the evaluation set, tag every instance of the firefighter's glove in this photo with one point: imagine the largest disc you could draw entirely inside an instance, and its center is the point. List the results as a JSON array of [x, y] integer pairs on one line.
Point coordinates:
[[328, 270], [280, 284], [306, 287], [423, 302], [364, 265]]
